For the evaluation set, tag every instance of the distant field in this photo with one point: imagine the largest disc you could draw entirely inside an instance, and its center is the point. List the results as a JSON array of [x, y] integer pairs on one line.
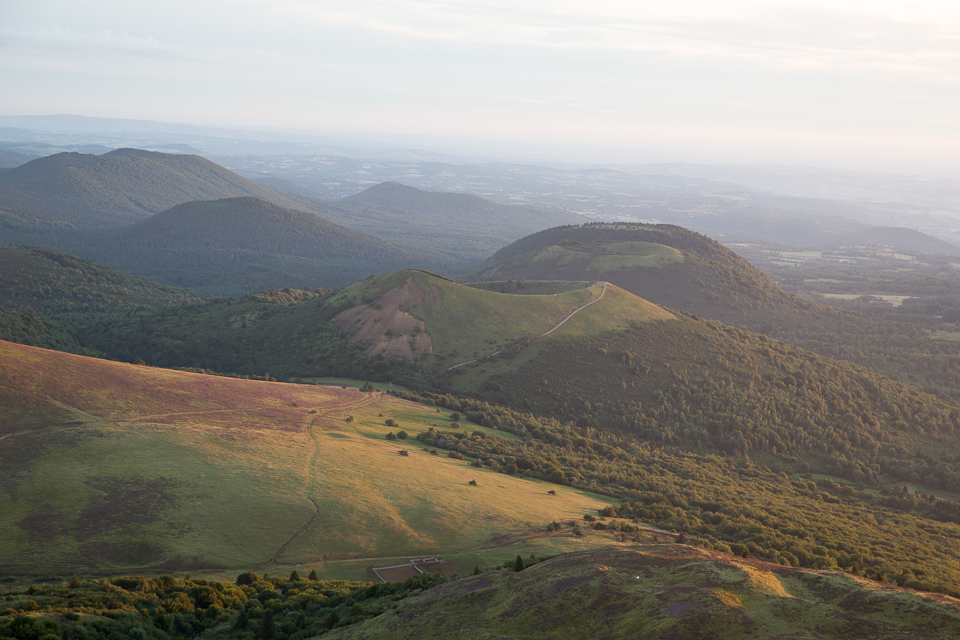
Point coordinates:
[[116, 467], [945, 335], [892, 299]]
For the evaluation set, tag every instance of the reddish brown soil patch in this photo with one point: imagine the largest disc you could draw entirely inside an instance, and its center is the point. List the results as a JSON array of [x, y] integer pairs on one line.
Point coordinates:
[[398, 574], [389, 329]]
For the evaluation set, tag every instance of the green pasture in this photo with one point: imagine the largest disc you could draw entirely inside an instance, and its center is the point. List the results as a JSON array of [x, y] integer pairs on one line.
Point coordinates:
[[616, 311]]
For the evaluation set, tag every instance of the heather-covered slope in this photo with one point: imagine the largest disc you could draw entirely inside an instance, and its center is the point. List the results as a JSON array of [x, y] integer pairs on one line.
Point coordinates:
[[110, 466], [667, 591]]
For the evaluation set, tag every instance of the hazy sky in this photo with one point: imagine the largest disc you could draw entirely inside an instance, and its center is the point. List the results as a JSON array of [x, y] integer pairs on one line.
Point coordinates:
[[841, 83]]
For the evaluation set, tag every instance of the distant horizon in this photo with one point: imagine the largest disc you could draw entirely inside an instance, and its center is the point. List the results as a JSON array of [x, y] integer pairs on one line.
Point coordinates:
[[835, 84], [471, 149]]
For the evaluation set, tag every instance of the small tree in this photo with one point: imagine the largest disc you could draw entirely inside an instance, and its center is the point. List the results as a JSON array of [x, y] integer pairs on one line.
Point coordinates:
[[518, 563], [248, 577], [294, 576], [313, 576], [455, 416], [75, 582]]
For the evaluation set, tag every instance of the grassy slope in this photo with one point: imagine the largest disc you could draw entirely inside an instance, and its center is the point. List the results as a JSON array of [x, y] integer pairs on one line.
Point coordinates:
[[111, 466], [662, 592], [467, 322], [50, 283]]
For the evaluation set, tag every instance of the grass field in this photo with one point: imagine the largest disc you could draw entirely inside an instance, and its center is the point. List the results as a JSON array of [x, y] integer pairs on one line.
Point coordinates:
[[113, 467], [605, 257], [616, 311]]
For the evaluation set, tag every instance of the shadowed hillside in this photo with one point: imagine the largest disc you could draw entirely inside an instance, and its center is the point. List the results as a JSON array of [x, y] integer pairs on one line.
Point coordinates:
[[665, 264], [463, 225], [901, 238], [49, 283], [69, 190], [237, 245]]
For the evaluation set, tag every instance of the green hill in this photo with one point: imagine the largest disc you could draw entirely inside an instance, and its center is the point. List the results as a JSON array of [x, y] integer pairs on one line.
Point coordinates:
[[684, 270], [665, 264], [69, 190], [74, 190], [661, 592], [421, 322], [111, 466], [235, 245], [466, 226], [619, 364], [47, 283]]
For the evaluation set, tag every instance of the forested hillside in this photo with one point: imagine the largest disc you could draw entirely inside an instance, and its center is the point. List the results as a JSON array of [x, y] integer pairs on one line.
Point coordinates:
[[78, 190], [701, 276], [684, 270], [461, 225], [237, 245], [48, 283]]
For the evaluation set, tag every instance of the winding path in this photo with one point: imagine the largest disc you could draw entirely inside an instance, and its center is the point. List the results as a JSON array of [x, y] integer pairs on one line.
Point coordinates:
[[578, 309], [272, 562]]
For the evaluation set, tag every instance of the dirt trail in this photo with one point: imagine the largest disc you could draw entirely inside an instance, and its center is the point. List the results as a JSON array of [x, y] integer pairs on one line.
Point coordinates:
[[557, 326], [272, 562]]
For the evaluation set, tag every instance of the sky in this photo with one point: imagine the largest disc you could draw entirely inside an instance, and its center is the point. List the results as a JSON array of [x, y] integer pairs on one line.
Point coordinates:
[[855, 84]]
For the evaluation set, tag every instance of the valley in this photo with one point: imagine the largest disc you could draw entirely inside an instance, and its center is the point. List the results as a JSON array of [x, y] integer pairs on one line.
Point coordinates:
[[412, 402]]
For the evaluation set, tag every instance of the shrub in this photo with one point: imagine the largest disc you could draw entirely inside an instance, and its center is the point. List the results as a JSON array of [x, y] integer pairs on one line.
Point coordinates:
[[390, 422], [402, 435]]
